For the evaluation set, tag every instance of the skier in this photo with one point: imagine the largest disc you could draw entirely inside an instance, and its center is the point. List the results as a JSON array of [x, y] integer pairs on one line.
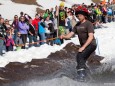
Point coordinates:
[[85, 31]]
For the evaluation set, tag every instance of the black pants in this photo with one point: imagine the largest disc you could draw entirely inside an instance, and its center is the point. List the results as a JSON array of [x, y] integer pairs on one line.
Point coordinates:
[[49, 36], [103, 19], [83, 56], [24, 39], [9, 48]]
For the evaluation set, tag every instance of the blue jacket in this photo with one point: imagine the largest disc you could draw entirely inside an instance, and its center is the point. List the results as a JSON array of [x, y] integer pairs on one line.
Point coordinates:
[[41, 28], [109, 12], [69, 26]]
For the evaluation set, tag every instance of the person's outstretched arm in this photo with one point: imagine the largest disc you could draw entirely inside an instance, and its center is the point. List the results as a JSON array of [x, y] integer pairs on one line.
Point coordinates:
[[69, 35]]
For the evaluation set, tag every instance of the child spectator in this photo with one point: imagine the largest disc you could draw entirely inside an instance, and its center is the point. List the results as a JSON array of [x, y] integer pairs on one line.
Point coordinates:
[[19, 42], [9, 43]]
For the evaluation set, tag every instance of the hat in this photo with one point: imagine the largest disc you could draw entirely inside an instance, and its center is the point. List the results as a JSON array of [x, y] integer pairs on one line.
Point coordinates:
[[72, 12], [6, 20], [81, 10], [62, 4]]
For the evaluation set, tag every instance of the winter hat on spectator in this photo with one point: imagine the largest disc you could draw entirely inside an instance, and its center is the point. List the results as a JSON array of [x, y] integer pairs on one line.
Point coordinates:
[[62, 4], [81, 10]]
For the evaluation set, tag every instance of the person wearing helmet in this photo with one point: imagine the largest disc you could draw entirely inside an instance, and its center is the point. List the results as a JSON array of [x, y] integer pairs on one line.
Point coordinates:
[[85, 31]]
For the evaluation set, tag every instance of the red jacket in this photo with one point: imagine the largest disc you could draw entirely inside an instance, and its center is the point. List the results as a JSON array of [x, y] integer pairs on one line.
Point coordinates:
[[35, 23]]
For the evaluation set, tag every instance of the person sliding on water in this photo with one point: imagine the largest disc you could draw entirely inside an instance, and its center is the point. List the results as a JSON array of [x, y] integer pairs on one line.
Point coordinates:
[[85, 31]]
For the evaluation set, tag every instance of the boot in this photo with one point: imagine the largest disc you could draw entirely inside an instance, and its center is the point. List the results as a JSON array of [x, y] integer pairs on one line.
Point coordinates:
[[81, 75]]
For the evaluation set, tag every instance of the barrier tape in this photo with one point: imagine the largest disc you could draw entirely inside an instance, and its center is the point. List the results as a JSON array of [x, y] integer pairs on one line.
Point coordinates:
[[20, 45]]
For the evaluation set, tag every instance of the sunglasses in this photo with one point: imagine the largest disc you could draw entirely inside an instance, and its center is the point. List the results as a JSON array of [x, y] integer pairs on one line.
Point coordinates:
[[15, 17], [6, 21], [22, 18]]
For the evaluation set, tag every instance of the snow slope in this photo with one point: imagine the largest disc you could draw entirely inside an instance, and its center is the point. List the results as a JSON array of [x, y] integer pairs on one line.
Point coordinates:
[[47, 4], [8, 9], [106, 42], [87, 2], [32, 53]]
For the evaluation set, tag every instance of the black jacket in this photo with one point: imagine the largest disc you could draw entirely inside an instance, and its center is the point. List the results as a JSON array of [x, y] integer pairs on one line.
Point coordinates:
[[32, 30], [2, 30]]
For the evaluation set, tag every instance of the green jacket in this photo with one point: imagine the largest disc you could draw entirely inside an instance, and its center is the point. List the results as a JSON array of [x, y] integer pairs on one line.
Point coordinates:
[[98, 12], [45, 15]]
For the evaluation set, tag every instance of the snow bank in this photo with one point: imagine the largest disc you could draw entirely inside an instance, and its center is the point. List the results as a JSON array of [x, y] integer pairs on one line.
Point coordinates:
[[106, 42], [32, 53], [87, 2], [47, 4], [8, 9]]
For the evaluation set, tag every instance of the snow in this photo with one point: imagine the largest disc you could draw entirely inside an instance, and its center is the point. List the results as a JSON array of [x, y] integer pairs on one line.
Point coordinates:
[[63, 81], [32, 53], [106, 43], [87, 2], [47, 4], [8, 9]]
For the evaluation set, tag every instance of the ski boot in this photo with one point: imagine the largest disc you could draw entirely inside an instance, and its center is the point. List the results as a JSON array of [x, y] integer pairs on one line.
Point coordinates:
[[81, 75]]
